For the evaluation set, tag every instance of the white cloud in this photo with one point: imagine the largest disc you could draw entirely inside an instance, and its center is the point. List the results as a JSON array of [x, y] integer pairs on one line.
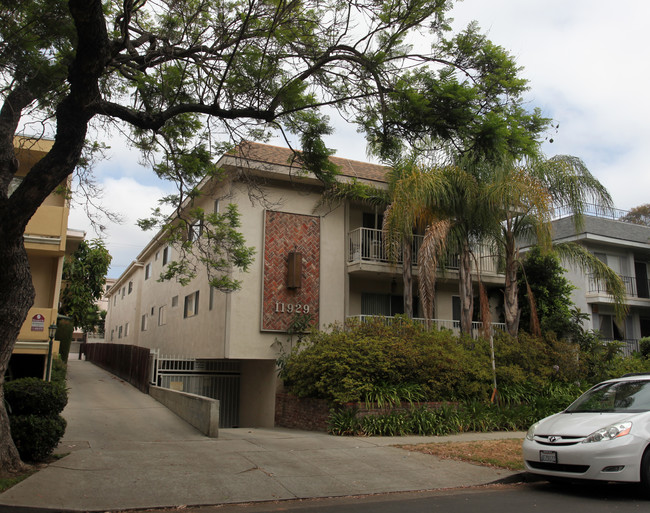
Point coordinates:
[[133, 201], [586, 61]]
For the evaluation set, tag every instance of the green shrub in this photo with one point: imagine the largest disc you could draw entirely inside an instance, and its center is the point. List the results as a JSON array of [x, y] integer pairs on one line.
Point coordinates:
[[64, 331], [28, 396], [36, 436], [644, 347], [373, 362], [343, 421], [59, 370]]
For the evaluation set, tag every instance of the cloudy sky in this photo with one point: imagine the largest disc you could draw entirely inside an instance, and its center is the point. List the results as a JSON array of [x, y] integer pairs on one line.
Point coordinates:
[[588, 68]]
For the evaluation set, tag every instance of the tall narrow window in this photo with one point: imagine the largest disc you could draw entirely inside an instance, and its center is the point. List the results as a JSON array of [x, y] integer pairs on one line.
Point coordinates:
[[147, 271], [191, 305], [195, 230], [162, 315], [165, 256]]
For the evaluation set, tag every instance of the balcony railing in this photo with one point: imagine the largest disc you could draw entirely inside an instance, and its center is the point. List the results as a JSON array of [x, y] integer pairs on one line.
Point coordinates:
[[632, 287], [592, 210], [434, 324], [367, 245], [628, 345]]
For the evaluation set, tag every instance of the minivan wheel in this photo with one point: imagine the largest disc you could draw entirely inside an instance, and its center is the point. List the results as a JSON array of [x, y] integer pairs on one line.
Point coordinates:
[[645, 472]]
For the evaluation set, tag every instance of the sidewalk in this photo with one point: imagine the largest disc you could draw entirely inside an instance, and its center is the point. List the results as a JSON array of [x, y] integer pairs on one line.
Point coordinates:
[[127, 451]]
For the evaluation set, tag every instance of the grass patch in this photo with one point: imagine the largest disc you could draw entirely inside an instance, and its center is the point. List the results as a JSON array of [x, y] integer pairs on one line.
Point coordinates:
[[7, 482], [505, 454]]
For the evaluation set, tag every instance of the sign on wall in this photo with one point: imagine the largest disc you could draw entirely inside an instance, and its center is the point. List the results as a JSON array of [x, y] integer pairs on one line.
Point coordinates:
[[38, 322], [291, 246]]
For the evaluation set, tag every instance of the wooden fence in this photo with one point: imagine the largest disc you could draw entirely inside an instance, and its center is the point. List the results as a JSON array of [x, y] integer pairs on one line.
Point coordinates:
[[131, 363]]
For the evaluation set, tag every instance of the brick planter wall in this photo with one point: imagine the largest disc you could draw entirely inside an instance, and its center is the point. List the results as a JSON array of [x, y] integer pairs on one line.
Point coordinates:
[[312, 414], [301, 413]]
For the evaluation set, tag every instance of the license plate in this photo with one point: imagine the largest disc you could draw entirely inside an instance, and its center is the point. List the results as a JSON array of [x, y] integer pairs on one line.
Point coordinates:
[[548, 456]]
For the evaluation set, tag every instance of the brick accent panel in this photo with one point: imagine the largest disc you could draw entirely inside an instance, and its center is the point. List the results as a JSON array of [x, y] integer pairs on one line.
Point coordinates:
[[285, 233]]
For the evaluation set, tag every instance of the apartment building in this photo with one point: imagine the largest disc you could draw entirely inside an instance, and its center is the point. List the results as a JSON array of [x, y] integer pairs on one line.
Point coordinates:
[[625, 247], [47, 241], [325, 262]]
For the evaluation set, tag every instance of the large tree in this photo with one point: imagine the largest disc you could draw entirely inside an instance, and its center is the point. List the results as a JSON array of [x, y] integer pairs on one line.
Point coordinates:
[[182, 77]]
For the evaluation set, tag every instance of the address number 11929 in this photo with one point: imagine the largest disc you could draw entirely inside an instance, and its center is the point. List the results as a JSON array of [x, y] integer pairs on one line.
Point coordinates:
[[281, 307]]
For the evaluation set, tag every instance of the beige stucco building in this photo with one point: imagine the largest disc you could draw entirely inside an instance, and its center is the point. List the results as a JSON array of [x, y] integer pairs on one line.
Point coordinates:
[[47, 240], [326, 262], [625, 247]]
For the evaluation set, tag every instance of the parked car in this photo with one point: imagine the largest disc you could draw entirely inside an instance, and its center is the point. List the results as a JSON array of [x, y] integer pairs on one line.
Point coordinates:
[[603, 435]]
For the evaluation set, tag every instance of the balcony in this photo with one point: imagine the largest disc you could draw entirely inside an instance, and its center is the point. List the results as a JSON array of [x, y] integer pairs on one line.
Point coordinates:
[[437, 324], [366, 245], [633, 287]]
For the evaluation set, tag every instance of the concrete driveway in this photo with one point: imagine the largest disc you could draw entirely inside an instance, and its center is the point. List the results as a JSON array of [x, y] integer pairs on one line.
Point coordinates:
[[127, 451]]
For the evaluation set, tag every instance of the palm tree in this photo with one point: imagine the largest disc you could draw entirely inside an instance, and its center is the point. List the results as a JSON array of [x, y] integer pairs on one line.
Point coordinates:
[[522, 199], [449, 199], [400, 239]]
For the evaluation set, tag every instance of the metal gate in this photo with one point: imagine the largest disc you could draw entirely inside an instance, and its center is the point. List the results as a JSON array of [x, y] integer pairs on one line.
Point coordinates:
[[217, 379]]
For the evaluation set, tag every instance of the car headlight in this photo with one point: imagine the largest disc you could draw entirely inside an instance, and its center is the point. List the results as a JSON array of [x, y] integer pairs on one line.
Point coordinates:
[[609, 432], [530, 435]]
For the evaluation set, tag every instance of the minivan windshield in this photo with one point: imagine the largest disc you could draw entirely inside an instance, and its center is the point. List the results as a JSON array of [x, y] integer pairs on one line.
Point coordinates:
[[617, 396]]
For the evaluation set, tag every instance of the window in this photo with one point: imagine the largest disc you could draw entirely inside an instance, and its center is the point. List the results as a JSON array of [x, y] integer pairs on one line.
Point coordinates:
[[123, 291], [165, 256], [147, 271], [162, 315], [174, 301], [157, 255], [455, 310], [211, 298], [216, 206], [191, 305], [112, 334], [126, 330], [130, 287], [119, 332], [145, 322], [195, 231]]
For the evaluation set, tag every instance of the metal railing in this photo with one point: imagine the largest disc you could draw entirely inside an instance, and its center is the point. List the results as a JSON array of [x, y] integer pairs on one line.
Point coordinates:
[[593, 210], [217, 379], [434, 324], [631, 283], [628, 345], [367, 245]]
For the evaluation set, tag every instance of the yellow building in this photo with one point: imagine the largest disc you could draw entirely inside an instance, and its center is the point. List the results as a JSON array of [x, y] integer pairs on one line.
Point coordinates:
[[47, 240]]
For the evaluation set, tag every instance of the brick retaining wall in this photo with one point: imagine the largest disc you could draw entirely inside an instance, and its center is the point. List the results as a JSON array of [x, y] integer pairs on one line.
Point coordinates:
[[313, 414]]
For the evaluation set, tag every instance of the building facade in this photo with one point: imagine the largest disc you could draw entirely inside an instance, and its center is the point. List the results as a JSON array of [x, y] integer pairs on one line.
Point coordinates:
[[314, 262], [624, 247], [47, 241]]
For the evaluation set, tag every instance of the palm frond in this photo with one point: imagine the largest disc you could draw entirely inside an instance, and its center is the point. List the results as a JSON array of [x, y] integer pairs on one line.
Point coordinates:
[[434, 244], [590, 264]]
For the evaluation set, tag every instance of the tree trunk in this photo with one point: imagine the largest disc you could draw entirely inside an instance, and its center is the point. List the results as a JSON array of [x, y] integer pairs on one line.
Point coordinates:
[[16, 300], [465, 289], [407, 276], [511, 291]]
